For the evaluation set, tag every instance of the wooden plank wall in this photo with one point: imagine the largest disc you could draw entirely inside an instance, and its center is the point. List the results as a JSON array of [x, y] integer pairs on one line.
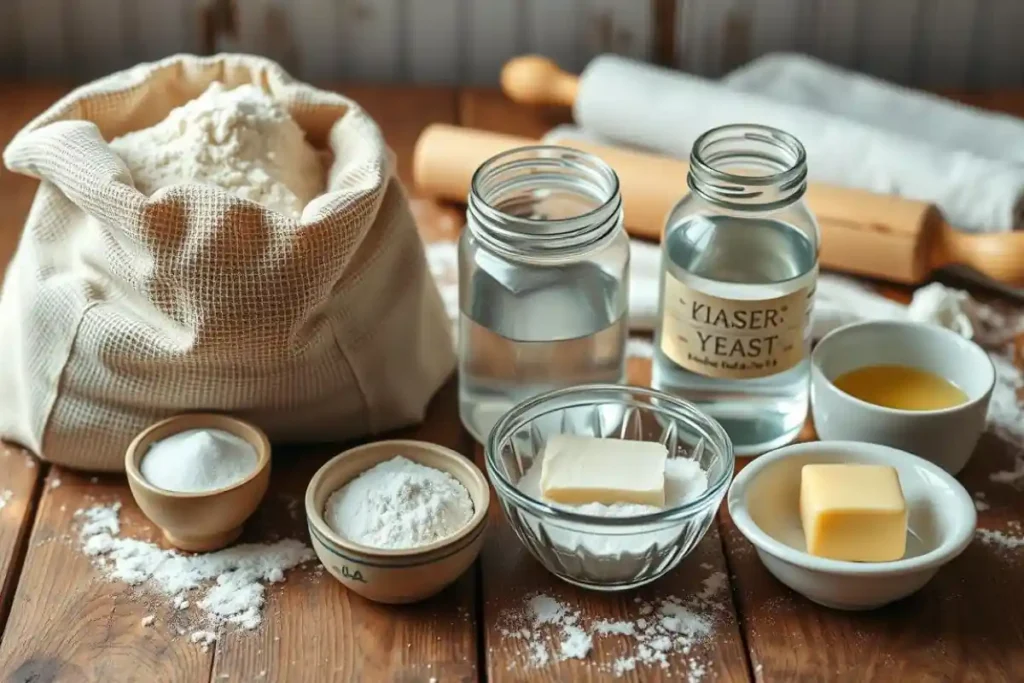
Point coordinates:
[[973, 44], [928, 43]]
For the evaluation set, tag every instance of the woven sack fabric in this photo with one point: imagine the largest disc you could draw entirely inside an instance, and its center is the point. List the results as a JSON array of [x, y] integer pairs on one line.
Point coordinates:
[[120, 309]]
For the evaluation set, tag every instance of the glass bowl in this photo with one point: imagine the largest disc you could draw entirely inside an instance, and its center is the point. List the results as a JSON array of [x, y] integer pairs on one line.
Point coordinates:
[[598, 552]]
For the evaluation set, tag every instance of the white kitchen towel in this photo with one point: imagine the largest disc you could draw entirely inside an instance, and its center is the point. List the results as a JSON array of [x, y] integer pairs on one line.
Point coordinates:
[[808, 82], [653, 108]]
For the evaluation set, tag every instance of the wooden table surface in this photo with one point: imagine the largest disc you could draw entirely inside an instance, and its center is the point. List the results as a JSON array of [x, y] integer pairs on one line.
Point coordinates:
[[61, 622]]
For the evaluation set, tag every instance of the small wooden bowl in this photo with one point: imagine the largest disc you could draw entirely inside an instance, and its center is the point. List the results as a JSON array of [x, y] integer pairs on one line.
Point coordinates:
[[203, 520], [396, 576]]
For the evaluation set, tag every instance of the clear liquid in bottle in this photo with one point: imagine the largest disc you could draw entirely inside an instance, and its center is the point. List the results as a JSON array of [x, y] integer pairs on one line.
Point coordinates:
[[746, 263]]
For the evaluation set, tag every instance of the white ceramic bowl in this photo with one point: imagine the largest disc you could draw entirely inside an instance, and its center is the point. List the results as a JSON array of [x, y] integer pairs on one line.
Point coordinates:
[[764, 502], [396, 576], [946, 437]]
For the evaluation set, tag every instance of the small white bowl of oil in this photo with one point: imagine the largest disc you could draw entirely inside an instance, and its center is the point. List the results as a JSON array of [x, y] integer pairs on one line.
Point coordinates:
[[764, 502], [913, 386]]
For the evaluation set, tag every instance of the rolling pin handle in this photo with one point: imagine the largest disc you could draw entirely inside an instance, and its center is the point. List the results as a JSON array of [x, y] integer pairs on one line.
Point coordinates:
[[536, 80], [1000, 256]]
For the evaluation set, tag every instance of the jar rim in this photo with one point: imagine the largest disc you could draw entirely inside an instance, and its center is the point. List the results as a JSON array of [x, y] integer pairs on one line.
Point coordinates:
[[796, 165], [517, 234], [779, 153], [501, 160]]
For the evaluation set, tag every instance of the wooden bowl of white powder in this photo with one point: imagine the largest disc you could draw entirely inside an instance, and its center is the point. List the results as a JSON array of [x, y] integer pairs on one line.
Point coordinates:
[[198, 477], [397, 521]]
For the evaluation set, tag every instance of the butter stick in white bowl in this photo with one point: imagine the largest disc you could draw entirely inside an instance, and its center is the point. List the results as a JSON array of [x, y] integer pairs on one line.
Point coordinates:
[[853, 511], [580, 469]]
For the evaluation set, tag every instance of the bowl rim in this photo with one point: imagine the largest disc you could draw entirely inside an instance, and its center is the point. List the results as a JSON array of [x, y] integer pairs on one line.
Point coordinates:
[[966, 346], [198, 420], [950, 546], [316, 519], [507, 490]]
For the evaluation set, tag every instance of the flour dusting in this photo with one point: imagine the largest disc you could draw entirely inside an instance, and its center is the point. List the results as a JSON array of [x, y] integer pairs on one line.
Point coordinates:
[[552, 630], [1010, 539], [230, 584]]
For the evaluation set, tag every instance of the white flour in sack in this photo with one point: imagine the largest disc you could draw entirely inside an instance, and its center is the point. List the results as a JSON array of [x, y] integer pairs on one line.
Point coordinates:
[[241, 140]]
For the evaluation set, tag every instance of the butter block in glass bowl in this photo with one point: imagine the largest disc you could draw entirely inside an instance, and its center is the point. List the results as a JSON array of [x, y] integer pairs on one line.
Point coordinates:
[[585, 469], [596, 551]]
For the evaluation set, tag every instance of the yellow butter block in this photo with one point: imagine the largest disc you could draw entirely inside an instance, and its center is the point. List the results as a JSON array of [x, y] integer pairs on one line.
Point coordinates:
[[853, 512], [579, 469]]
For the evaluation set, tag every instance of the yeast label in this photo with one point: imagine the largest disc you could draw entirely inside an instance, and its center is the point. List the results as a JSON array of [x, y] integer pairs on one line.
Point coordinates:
[[733, 339]]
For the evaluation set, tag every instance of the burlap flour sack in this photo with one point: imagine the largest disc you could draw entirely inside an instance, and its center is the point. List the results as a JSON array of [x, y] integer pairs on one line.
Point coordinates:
[[119, 309]]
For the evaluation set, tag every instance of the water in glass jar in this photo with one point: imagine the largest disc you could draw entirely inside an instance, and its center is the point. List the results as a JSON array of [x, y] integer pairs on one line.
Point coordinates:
[[533, 330], [741, 258]]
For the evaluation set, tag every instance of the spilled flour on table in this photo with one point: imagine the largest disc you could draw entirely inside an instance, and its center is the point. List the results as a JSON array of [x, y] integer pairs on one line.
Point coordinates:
[[1006, 414], [552, 630], [227, 586], [1010, 539]]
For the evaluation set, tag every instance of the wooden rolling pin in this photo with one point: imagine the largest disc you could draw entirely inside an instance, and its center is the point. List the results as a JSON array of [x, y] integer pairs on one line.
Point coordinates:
[[878, 236]]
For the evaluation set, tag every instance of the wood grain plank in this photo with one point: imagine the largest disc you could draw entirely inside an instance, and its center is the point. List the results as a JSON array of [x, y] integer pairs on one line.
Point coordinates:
[[999, 59], [97, 47], [620, 26], [402, 113], [371, 40], [946, 36], [957, 628], [556, 30], [64, 625], [67, 624], [319, 50], [775, 26], [663, 21], [315, 630], [493, 36], [19, 470], [44, 37], [712, 37], [835, 36], [12, 52], [487, 108], [434, 36], [509, 574], [164, 28], [91, 630], [19, 478], [885, 40]]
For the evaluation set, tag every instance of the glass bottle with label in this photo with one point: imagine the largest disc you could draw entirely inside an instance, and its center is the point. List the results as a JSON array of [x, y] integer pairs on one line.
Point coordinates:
[[543, 280], [739, 266]]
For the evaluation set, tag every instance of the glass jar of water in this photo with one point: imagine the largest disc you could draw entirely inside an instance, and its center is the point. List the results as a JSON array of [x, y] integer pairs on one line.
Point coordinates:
[[739, 266], [543, 280]]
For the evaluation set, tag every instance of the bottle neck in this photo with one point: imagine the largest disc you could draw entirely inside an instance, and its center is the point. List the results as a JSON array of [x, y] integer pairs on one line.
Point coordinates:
[[544, 200], [746, 167]]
